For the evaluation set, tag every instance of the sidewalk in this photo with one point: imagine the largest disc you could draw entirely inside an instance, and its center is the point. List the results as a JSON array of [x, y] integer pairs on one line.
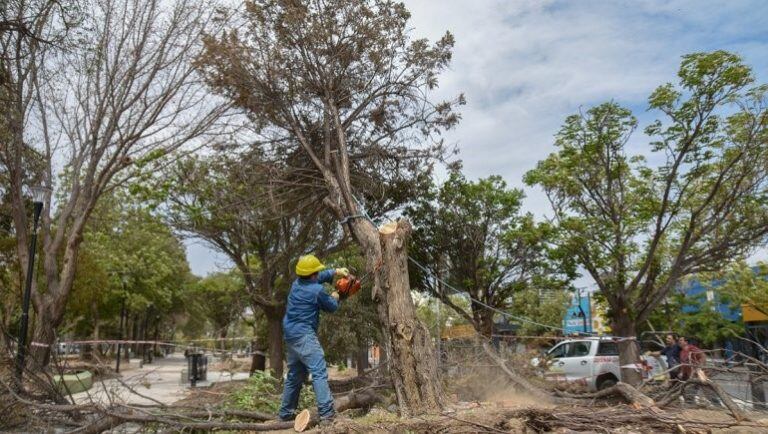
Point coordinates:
[[160, 381]]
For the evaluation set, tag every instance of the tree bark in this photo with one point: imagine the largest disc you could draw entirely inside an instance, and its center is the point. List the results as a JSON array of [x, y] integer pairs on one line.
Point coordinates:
[[275, 340], [629, 351], [413, 367], [362, 358], [45, 333], [258, 361], [483, 319], [222, 339]]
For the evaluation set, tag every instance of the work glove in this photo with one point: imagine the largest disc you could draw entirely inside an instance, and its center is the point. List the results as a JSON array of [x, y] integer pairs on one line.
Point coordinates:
[[342, 272]]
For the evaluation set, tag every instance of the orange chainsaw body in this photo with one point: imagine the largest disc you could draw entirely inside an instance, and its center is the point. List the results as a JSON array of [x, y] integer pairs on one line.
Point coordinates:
[[348, 285]]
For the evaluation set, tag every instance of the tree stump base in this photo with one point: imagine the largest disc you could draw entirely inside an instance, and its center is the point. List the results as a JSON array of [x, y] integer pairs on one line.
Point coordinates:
[[302, 420]]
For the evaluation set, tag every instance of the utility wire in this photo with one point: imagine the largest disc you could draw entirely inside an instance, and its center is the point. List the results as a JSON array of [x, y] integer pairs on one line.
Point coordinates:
[[365, 214]]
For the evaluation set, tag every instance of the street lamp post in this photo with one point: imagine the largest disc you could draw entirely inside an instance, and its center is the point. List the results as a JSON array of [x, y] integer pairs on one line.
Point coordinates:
[[38, 197]]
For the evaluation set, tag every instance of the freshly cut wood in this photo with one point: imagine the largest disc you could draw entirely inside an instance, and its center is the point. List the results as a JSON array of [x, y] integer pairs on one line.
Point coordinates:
[[302, 420], [364, 398]]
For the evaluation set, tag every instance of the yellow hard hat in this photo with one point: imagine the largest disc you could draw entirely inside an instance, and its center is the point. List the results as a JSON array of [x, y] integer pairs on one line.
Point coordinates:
[[308, 265]]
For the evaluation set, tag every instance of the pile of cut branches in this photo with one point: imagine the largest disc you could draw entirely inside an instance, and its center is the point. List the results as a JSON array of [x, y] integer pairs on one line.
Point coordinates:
[[95, 418]]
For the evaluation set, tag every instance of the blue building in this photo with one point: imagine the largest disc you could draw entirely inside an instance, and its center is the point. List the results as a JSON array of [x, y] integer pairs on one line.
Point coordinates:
[[700, 292]]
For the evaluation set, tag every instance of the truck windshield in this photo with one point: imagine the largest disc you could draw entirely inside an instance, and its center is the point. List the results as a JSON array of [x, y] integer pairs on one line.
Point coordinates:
[[579, 349], [571, 349]]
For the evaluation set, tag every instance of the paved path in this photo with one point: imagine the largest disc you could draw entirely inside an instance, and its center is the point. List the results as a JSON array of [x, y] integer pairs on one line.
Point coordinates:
[[159, 381]]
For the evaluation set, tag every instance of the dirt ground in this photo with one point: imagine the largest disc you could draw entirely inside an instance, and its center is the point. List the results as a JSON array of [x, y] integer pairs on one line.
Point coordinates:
[[509, 412]]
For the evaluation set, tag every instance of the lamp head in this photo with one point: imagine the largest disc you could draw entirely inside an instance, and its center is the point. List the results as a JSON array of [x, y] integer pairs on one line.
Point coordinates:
[[39, 193]]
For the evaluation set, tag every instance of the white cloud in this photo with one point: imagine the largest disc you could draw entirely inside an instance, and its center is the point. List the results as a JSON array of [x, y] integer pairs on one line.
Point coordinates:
[[525, 65]]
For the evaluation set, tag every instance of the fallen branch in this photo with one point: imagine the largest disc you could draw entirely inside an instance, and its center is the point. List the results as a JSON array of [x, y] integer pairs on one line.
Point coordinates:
[[364, 398], [672, 395], [518, 380], [112, 419], [624, 390], [609, 418], [724, 398], [188, 419], [243, 414]]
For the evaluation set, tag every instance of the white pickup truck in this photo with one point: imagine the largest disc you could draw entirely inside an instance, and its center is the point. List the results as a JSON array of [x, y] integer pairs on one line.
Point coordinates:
[[594, 362]]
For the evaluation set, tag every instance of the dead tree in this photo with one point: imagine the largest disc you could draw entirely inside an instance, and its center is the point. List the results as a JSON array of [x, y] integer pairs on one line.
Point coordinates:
[[343, 86], [111, 108]]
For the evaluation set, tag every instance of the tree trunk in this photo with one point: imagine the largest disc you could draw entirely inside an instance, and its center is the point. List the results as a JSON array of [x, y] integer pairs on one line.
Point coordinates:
[[275, 340], [222, 339], [95, 310], [144, 346], [40, 347], [258, 361], [413, 367], [362, 357], [135, 334], [629, 351], [483, 319], [127, 348]]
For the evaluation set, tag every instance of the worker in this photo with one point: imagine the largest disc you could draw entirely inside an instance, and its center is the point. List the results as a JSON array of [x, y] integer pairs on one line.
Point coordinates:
[[692, 362], [672, 352], [304, 352]]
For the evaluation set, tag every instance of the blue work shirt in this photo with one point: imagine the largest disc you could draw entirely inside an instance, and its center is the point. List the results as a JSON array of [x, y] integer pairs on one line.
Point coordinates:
[[307, 297], [673, 354]]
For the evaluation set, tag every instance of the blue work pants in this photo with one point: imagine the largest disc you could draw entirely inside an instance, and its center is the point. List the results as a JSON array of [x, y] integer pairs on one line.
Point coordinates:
[[305, 355]]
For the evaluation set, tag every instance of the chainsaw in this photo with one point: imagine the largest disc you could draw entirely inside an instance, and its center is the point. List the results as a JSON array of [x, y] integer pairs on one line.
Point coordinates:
[[348, 285]]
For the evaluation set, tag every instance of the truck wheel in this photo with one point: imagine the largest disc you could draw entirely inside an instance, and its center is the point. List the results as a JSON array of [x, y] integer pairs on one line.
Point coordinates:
[[606, 383]]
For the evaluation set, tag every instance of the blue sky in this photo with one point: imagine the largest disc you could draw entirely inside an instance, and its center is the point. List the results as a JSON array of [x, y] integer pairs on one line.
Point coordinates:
[[524, 65]]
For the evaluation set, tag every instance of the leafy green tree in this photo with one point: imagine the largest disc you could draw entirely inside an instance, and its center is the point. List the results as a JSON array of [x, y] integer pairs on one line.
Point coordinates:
[[746, 284], [698, 316], [128, 254], [474, 235], [223, 295], [239, 204], [432, 312], [547, 307], [638, 226]]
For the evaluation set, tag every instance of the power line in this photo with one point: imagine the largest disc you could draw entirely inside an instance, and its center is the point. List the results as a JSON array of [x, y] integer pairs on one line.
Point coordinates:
[[462, 293], [447, 285]]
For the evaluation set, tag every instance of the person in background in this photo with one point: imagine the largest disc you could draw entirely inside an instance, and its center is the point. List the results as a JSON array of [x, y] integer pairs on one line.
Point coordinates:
[[672, 352], [692, 360], [729, 353]]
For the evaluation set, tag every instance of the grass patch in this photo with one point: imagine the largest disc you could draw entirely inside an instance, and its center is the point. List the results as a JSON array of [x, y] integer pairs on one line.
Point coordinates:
[[377, 416]]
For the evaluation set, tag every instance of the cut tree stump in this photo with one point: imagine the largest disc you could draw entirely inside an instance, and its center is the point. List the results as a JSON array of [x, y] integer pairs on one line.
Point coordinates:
[[413, 362], [302, 420], [364, 398]]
